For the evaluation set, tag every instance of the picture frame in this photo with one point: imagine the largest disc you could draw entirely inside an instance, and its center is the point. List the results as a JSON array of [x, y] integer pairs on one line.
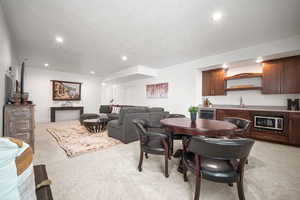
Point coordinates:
[[160, 90], [66, 91]]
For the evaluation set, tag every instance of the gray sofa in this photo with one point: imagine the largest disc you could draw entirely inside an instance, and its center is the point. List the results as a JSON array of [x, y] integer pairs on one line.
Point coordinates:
[[123, 129], [107, 109]]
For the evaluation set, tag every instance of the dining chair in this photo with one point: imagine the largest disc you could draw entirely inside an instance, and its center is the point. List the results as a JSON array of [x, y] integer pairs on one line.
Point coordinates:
[[218, 160], [243, 126], [152, 143]]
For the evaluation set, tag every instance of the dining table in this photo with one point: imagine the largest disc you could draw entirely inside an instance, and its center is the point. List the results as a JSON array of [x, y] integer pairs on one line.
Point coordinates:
[[203, 127]]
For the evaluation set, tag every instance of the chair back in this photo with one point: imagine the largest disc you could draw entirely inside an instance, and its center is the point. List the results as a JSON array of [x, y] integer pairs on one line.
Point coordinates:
[[242, 124], [221, 149], [141, 128]]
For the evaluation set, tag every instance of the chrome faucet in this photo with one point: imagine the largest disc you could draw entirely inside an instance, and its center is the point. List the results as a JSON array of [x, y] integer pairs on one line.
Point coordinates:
[[241, 102]]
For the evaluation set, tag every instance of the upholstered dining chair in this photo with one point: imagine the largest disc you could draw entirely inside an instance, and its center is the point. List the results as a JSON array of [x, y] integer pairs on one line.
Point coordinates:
[[152, 143], [175, 136], [243, 125], [218, 160]]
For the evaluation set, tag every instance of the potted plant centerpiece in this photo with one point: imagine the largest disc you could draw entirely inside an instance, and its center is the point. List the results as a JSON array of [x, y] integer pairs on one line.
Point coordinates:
[[193, 111]]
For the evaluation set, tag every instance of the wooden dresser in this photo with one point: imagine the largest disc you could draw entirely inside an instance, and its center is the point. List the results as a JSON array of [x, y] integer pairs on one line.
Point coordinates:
[[19, 122]]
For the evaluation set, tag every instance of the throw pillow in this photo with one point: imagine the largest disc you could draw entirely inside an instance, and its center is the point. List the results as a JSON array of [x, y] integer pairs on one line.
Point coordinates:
[[116, 109]]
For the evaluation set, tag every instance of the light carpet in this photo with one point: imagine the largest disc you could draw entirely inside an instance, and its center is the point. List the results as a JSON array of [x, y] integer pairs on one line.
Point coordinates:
[[76, 139], [111, 174]]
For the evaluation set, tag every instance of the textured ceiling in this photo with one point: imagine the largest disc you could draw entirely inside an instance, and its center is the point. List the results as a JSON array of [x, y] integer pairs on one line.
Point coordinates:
[[152, 33]]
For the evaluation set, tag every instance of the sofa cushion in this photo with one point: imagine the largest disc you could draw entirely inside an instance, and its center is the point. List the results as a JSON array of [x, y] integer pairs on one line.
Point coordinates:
[[155, 118], [130, 110], [113, 116], [105, 109], [156, 109], [113, 124]]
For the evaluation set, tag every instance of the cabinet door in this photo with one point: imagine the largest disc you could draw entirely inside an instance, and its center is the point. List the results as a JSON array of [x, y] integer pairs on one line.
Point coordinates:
[[206, 83], [213, 82], [218, 82], [294, 129], [271, 80], [290, 76], [220, 114]]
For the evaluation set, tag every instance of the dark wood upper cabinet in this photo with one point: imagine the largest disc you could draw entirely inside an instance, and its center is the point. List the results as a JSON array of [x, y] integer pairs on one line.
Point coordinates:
[[206, 83], [290, 75], [272, 74], [218, 80], [213, 82], [281, 76]]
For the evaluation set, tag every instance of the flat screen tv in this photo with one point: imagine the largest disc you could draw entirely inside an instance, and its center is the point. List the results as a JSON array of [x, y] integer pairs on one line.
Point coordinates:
[[9, 88]]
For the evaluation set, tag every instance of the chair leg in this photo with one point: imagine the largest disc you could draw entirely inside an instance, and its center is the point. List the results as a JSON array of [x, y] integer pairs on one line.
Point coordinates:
[[198, 177], [171, 146], [146, 155], [185, 174], [166, 164], [167, 155], [198, 187], [240, 187], [141, 161]]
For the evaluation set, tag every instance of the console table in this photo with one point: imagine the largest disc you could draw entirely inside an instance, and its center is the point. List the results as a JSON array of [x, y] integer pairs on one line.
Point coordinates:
[[54, 109]]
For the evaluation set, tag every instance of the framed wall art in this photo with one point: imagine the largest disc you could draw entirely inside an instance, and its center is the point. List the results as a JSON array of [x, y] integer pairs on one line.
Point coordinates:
[[159, 90], [66, 91]]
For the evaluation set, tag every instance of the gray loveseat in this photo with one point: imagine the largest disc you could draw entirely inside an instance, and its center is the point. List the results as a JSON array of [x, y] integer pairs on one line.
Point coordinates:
[[123, 129]]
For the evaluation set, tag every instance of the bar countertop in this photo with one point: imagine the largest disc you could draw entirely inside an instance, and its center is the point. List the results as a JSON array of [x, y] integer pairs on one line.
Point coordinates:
[[252, 108]]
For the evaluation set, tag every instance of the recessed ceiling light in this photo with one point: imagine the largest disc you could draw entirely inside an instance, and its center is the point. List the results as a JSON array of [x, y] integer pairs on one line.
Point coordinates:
[[59, 39], [225, 66], [259, 59], [103, 84], [217, 16], [124, 58], [92, 72], [46, 65]]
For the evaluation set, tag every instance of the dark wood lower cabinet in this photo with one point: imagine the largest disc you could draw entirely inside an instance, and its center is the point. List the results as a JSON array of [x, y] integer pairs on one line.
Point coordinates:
[[290, 135], [294, 129]]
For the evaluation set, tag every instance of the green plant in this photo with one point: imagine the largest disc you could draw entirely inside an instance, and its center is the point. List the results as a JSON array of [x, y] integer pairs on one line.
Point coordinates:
[[193, 109]]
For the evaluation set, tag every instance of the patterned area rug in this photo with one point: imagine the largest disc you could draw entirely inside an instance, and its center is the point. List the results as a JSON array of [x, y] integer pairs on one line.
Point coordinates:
[[76, 139]]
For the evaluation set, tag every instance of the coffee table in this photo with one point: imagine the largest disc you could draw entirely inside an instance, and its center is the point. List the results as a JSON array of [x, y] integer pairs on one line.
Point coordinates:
[[95, 125]]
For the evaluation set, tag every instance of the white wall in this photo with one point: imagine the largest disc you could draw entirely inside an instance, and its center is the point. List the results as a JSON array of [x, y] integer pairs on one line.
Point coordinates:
[[38, 84], [6, 58], [181, 90]]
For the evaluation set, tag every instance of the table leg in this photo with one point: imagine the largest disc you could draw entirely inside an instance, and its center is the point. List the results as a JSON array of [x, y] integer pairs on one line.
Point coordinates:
[[178, 153], [181, 167]]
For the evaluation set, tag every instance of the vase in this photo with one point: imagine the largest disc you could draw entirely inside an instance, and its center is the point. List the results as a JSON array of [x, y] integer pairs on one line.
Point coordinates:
[[193, 116]]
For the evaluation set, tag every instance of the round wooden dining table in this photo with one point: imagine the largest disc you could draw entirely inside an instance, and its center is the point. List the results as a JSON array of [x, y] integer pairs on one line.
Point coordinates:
[[204, 127]]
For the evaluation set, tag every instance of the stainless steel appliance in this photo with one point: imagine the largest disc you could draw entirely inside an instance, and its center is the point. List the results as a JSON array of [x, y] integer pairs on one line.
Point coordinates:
[[269, 122], [207, 113]]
